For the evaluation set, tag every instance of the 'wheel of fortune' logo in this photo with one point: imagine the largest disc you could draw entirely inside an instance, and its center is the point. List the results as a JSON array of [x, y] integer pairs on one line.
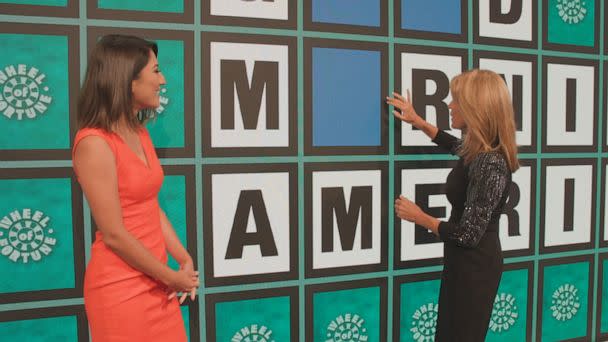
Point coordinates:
[[346, 328], [26, 236], [572, 11], [424, 323], [253, 333], [504, 313], [565, 302], [23, 93]]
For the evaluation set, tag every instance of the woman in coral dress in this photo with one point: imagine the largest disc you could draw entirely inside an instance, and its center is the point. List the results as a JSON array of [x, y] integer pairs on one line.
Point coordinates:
[[130, 293]]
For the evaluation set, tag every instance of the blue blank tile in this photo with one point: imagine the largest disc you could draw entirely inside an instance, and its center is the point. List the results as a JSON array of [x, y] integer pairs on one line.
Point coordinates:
[[347, 12], [347, 96], [431, 15]]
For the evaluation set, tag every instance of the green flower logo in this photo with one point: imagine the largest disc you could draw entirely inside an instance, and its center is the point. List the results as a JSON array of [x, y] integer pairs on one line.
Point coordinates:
[[253, 333], [504, 313], [25, 236], [572, 11], [22, 92], [347, 327], [424, 323], [565, 302]]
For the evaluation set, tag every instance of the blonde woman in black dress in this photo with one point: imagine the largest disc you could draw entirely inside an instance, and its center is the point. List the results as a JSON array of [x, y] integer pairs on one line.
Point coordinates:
[[477, 189]]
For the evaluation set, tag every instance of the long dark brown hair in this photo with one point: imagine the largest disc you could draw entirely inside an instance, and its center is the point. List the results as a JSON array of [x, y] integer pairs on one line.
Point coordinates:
[[105, 96]]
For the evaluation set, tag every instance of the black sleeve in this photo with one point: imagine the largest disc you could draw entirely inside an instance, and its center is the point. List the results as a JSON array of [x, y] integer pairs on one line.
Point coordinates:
[[488, 180], [447, 141]]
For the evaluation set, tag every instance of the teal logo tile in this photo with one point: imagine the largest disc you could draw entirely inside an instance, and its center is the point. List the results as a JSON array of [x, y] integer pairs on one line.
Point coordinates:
[[571, 22], [565, 301], [264, 319], [36, 241], [171, 6], [510, 313], [34, 92], [418, 310], [269, 315], [47, 8], [341, 314]]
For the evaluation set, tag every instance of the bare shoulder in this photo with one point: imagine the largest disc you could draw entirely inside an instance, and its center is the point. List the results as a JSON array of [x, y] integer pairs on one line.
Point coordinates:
[[93, 152]]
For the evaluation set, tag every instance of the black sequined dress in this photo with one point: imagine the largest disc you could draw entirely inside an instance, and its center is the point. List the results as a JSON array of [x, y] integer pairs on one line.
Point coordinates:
[[472, 253]]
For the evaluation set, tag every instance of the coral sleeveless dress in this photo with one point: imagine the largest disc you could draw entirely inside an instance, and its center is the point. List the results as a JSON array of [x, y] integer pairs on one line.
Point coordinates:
[[122, 303]]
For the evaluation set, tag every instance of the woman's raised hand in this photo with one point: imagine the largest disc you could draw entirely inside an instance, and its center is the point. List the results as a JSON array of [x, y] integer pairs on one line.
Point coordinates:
[[406, 110]]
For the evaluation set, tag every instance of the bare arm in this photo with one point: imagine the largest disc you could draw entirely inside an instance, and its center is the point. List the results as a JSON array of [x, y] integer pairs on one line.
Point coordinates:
[[94, 162], [174, 246], [177, 251]]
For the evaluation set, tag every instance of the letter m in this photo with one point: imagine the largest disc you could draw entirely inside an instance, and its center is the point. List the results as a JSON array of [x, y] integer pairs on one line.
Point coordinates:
[[250, 94], [334, 202]]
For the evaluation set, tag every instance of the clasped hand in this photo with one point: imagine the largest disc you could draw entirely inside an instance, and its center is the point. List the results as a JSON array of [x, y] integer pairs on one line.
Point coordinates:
[[185, 281]]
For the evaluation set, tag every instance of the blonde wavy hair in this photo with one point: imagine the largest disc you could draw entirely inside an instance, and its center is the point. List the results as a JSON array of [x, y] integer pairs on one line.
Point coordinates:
[[486, 108]]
